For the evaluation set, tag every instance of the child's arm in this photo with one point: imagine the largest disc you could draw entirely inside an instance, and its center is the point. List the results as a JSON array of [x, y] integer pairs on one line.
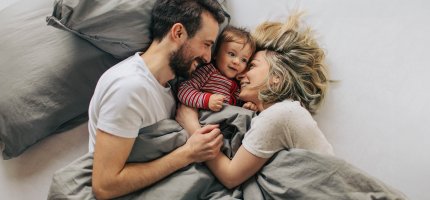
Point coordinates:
[[232, 173], [189, 92]]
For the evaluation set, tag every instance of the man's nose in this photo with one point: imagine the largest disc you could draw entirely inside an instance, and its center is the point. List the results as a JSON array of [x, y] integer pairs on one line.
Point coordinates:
[[207, 56]]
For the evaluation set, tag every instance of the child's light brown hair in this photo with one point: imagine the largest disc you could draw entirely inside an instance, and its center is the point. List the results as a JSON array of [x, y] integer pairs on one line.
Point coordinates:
[[235, 34]]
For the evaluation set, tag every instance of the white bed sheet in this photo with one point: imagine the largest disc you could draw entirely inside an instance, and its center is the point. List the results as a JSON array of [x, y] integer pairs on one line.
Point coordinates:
[[29, 175], [376, 116]]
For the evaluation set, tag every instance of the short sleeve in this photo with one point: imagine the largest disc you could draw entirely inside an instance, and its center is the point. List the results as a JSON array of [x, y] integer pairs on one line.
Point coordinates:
[[266, 135], [285, 125], [122, 108]]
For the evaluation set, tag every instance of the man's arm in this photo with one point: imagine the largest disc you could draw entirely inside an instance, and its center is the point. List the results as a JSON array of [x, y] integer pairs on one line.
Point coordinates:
[[113, 177], [188, 118]]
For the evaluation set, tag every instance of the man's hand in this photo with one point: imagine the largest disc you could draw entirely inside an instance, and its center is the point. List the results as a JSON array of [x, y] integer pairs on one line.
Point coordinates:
[[205, 143], [215, 102], [250, 106]]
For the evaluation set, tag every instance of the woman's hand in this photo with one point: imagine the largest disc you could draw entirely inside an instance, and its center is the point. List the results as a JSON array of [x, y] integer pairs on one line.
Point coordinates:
[[188, 118]]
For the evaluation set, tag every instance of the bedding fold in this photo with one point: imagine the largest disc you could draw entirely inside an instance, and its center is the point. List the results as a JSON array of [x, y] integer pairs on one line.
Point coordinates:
[[294, 174]]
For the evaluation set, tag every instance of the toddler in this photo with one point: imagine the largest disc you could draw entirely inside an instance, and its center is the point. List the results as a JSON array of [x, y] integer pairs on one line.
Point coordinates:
[[215, 83]]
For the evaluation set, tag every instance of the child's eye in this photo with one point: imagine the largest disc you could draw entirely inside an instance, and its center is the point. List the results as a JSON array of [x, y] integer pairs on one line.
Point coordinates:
[[244, 60], [231, 54]]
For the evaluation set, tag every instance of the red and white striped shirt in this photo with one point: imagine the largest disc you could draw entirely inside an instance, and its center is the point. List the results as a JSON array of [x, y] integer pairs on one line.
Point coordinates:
[[204, 82]]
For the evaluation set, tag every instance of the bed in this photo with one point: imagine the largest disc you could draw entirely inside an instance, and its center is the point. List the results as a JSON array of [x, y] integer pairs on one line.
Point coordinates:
[[374, 115]]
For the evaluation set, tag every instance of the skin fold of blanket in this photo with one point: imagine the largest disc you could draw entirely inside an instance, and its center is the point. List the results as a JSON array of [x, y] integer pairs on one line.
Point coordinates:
[[292, 174]]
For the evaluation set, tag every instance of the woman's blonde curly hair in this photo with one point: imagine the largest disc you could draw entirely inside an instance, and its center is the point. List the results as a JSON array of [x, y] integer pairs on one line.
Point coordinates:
[[296, 61]]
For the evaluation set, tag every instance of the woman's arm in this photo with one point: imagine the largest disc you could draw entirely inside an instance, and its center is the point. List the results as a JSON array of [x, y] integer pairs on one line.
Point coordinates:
[[233, 172], [230, 173]]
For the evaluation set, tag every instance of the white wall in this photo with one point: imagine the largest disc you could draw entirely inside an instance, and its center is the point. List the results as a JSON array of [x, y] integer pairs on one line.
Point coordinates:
[[377, 115]]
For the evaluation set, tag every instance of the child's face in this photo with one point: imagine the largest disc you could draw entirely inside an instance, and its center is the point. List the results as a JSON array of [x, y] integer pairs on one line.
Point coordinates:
[[232, 58]]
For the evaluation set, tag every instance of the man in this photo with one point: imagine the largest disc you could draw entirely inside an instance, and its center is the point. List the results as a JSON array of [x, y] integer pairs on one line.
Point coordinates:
[[135, 93]]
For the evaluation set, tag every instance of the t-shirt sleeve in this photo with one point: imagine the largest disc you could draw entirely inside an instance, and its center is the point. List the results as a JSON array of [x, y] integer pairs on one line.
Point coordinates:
[[122, 108], [266, 135], [285, 126]]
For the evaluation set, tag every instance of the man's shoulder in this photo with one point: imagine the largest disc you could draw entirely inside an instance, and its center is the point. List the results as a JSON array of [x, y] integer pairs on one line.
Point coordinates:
[[126, 67], [124, 84], [128, 72]]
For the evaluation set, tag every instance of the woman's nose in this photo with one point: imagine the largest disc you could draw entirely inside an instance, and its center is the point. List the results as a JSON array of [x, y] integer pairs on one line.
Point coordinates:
[[240, 76]]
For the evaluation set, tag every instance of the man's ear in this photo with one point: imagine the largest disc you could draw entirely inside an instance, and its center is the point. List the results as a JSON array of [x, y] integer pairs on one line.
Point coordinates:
[[178, 32]]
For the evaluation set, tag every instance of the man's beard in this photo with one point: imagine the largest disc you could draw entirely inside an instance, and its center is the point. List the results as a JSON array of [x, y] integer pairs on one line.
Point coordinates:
[[180, 64]]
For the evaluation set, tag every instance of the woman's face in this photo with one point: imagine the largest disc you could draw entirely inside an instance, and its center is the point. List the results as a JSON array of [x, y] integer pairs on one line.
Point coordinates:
[[254, 79]]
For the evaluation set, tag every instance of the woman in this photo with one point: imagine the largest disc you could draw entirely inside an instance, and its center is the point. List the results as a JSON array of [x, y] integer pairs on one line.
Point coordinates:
[[287, 81]]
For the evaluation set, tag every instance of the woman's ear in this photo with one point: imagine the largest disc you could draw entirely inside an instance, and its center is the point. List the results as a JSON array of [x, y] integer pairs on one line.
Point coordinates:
[[276, 80]]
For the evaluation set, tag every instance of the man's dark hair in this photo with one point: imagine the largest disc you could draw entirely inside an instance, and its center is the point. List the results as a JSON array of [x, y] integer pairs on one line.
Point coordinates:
[[187, 12]]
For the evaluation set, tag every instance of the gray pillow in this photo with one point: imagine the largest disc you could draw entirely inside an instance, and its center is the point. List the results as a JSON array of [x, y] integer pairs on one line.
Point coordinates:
[[117, 27], [47, 76], [120, 28]]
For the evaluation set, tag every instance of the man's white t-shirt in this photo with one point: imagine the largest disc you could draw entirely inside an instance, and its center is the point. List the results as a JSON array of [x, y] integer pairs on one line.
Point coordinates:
[[127, 98], [284, 125]]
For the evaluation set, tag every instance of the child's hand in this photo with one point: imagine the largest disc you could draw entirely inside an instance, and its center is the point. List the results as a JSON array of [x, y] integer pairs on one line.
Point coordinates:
[[250, 106], [215, 102]]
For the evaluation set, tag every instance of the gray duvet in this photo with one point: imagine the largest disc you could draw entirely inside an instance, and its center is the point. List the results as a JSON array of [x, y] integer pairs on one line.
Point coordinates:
[[293, 174]]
